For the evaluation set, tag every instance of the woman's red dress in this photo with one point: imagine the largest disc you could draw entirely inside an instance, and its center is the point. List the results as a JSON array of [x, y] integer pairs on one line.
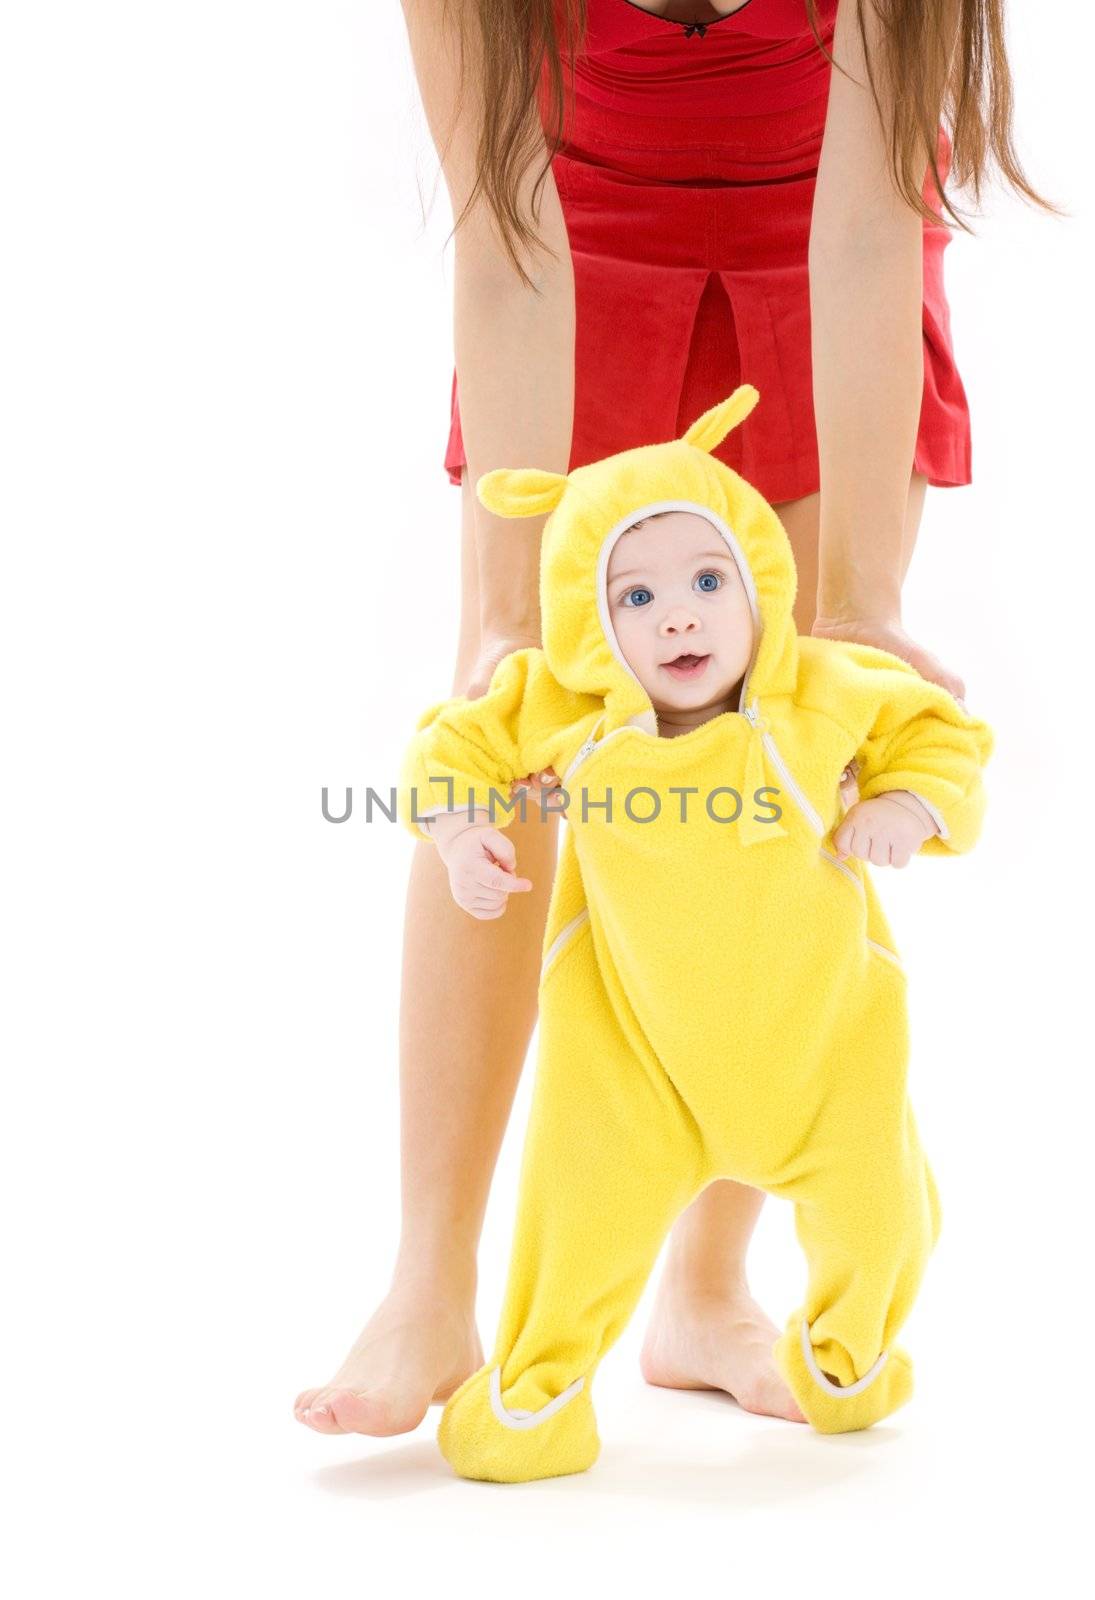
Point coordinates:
[[686, 182]]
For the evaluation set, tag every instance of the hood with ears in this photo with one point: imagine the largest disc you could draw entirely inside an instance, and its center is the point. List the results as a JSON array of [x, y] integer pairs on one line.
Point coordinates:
[[592, 506]]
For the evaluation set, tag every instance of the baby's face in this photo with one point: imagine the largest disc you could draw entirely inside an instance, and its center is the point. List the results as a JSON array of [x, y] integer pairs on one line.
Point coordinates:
[[674, 589]]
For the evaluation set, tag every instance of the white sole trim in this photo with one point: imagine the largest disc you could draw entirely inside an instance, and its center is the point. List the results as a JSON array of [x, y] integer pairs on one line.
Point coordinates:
[[518, 1418], [823, 1380]]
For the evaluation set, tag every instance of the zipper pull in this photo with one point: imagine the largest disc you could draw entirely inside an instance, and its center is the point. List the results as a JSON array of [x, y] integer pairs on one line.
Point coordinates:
[[591, 742], [752, 715], [582, 751]]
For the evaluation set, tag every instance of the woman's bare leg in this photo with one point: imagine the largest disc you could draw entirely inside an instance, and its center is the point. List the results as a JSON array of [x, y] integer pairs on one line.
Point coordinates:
[[468, 1008], [707, 1331]]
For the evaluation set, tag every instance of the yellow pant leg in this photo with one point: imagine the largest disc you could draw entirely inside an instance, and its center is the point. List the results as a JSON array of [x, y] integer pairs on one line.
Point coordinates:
[[611, 1158], [867, 1214]]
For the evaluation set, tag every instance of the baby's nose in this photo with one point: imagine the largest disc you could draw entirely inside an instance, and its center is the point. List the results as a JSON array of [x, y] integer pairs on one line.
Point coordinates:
[[679, 620]]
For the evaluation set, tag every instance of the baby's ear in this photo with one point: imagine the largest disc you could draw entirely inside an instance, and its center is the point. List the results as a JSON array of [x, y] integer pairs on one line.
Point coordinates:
[[711, 429], [520, 491]]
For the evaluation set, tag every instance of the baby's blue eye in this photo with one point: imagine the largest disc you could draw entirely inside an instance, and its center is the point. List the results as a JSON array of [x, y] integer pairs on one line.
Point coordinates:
[[710, 580], [628, 597]]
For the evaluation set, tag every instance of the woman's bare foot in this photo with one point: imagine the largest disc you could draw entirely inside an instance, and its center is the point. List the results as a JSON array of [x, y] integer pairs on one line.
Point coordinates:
[[717, 1341], [419, 1345]]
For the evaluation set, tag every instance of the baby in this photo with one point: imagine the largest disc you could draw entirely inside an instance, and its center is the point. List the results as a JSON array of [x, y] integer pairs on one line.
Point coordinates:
[[708, 1008]]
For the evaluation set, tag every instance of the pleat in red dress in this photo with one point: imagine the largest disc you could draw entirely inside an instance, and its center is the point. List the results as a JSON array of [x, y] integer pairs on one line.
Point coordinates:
[[686, 182]]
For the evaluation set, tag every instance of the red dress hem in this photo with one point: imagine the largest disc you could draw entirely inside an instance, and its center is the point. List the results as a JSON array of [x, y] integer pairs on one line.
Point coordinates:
[[689, 237]]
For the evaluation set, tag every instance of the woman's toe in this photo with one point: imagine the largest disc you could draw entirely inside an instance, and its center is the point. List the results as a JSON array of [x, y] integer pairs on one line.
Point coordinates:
[[302, 1402], [375, 1412], [318, 1414]]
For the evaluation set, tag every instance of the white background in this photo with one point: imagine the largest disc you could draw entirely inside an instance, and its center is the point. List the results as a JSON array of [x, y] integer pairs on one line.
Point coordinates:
[[231, 577]]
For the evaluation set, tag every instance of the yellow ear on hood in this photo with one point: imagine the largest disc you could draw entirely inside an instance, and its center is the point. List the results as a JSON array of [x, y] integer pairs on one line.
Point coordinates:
[[711, 429], [520, 491]]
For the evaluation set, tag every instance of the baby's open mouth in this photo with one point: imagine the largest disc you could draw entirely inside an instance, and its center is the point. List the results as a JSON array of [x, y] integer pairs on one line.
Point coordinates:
[[686, 666]]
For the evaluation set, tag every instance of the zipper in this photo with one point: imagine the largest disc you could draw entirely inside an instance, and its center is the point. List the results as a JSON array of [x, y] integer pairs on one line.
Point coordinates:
[[811, 815], [578, 759], [583, 751], [753, 716]]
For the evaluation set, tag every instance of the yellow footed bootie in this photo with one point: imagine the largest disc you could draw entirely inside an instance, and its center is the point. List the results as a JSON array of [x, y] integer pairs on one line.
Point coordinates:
[[485, 1433]]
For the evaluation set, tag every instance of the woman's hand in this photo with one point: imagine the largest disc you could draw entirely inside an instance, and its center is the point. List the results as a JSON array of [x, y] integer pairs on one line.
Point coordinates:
[[534, 783], [492, 650], [885, 634]]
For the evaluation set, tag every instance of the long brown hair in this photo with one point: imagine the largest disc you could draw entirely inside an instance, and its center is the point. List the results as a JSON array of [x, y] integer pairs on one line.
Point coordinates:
[[942, 61]]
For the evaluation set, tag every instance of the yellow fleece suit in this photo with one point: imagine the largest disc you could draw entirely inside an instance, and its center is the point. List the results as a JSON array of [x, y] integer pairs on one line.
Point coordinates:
[[720, 996]]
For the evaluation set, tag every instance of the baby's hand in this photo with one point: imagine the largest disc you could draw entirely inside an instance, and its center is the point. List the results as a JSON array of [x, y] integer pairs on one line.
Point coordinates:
[[482, 863], [887, 830]]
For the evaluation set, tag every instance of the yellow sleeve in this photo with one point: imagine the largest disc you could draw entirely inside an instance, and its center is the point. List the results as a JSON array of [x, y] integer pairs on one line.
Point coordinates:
[[920, 738], [464, 750]]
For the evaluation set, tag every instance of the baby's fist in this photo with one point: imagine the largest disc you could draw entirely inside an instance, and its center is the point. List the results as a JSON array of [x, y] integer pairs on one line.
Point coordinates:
[[887, 830], [482, 866]]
